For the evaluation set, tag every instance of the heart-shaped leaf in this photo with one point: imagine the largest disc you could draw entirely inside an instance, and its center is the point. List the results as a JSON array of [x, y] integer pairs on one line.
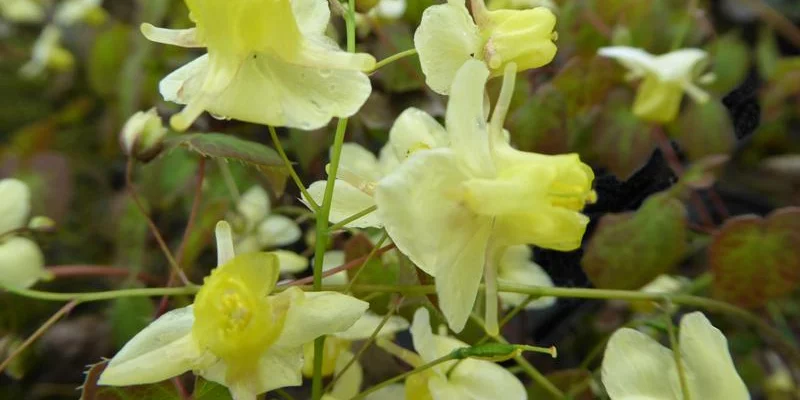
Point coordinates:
[[629, 250], [756, 259]]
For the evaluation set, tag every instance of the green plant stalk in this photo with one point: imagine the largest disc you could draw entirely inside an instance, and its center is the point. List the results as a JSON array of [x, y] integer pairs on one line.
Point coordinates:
[[322, 230], [321, 245], [277, 143], [371, 254], [394, 57], [676, 355], [341, 224], [107, 295], [38, 333], [448, 357]]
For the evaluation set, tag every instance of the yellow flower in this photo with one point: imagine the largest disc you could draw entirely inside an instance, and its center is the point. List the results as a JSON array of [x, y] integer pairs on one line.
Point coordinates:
[[470, 379], [21, 260], [666, 78], [235, 333], [454, 210], [268, 62], [637, 367], [447, 37], [258, 228]]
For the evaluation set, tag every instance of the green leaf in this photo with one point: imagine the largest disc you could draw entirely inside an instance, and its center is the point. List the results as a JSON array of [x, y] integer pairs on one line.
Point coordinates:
[[129, 315], [228, 147], [731, 63], [540, 123], [704, 129], [629, 250], [621, 142], [756, 259]]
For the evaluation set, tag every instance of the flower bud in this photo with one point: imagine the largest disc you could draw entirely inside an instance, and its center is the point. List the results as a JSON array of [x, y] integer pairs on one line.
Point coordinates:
[[524, 37], [41, 223], [15, 204], [142, 135]]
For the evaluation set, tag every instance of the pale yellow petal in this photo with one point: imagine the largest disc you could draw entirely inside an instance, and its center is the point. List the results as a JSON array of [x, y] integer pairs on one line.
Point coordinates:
[[15, 204], [369, 322], [360, 162], [163, 349], [253, 205], [445, 39], [278, 230], [21, 263], [416, 130], [552, 228], [683, 64], [277, 368], [430, 346], [484, 380], [637, 60], [704, 352], [224, 238], [421, 207], [517, 267], [315, 314], [465, 119], [291, 262], [347, 201], [175, 37], [348, 385], [333, 259], [311, 15], [392, 392], [636, 367]]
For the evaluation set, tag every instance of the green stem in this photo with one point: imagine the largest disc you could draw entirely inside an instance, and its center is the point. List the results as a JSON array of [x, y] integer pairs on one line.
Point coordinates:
[[676, 355], [341, 224], [388, 60], [325, 210], [107, 295], [402, 376], [277, 143], [39, 332], [322, 233]]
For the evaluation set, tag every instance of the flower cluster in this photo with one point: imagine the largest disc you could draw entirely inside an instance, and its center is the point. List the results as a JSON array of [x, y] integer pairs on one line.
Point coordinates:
[[21, 260], [457, 199]]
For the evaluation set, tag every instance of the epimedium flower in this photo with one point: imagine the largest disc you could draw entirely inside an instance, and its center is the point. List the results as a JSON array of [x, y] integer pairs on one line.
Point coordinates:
[[268, 62], [236, 333], [21, 260], [258, 228], [358, 174], [454, 210], [636, 366], [447, 37], [470, 378], [665, 79]]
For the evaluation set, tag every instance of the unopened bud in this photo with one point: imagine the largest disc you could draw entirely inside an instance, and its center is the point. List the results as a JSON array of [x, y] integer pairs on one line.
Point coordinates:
[[524, 37], [142, 135]]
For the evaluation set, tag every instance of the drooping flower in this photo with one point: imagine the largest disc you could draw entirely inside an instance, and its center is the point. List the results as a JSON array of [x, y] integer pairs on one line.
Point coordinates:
[[665, 79], [517, 267], [21, 260], [636, 366], [142, 135], [447, 37], [257, 228], [470, 378], [454, 210], [358, 174], [235, 333], [268, 62]]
